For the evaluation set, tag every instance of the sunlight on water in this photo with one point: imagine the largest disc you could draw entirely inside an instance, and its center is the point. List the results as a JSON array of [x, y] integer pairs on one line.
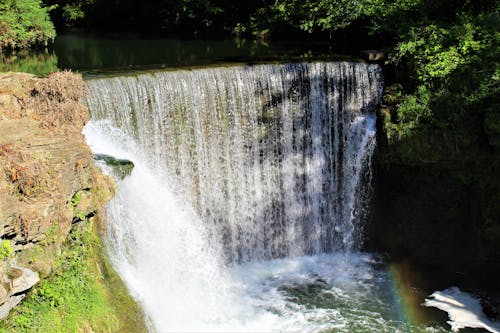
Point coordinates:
[[163, 253], [249, 189]]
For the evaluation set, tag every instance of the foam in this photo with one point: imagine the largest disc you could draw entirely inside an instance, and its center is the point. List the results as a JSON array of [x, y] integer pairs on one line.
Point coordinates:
[[164, 253], [463, 310]]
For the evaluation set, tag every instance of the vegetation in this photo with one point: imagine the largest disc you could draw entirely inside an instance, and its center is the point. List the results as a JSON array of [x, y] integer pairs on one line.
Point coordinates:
[[24, 23], [5, 249], [441, 125], [450, 67], [442, 53], [81, 293]]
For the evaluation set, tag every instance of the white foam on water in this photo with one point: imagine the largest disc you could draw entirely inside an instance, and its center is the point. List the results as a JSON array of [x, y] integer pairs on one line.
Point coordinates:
[[163, 252], [463, 310], [221, 227], [160, 249]]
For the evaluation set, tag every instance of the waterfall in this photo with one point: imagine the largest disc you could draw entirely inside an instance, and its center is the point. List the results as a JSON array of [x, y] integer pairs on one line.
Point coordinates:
[[274, 158], [235, 166]]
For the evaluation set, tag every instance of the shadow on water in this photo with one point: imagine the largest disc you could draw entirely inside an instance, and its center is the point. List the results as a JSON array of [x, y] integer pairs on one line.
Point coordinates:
[[297, 88]]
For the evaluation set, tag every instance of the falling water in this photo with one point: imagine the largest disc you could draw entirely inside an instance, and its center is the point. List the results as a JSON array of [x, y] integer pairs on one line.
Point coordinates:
[[250, 184], [274, 158]]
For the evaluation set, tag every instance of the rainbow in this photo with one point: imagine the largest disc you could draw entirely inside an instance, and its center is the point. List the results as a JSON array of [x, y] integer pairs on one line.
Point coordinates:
[[403, 279]]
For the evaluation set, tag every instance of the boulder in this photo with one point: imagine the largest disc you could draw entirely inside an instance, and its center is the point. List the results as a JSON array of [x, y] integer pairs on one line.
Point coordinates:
[[22, 279], [10, 304], [17, 281]]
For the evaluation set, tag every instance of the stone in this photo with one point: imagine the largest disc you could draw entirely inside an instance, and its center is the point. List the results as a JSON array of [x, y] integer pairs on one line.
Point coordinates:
[[3, 295], [44, 161], [22, 279], [121, 167], [9, 305], [10, 106], [373, 55], [83, 203]]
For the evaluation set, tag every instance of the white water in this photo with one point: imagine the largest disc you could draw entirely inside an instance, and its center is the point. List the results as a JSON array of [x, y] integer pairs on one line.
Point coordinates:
[[163, 253], [463, 310], [244, 179], [274, 158]]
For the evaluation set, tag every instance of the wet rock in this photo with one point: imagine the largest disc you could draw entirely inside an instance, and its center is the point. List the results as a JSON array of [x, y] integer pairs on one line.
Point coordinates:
[[121, 167]]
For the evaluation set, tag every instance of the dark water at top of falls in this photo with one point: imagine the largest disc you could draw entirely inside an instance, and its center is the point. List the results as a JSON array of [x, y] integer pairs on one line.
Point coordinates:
[[96, 54]]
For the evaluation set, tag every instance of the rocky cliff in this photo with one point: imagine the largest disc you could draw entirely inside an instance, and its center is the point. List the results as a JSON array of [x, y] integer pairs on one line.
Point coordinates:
[[48, 181]]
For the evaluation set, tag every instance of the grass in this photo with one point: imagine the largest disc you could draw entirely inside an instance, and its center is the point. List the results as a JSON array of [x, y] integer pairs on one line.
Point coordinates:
[[83, 294]]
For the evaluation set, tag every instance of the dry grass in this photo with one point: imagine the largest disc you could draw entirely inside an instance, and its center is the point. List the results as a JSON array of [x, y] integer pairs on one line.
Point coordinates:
[[26, 173], [57, 100]]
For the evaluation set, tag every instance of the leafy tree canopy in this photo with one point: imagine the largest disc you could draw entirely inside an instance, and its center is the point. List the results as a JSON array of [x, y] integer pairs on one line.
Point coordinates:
[[24, 23]]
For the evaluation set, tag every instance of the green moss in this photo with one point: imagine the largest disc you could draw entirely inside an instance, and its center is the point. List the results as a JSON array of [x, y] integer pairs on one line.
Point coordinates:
[[82, 292], [5, 249]]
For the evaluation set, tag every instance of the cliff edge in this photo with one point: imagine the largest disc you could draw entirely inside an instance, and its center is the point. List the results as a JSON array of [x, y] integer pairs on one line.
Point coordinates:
[[49, 184]]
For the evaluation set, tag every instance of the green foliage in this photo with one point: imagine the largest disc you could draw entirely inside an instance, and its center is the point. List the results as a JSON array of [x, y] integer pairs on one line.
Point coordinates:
[[73, 12], [24, 23], [415, 107], [449, 58], [436, 50], [319, 15], [5, 249], [75, 201], [77, 198], [67, 13], [72, 298]]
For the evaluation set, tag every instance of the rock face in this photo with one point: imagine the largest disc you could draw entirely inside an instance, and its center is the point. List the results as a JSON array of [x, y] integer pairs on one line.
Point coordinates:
[[16, 282], [48, 180]]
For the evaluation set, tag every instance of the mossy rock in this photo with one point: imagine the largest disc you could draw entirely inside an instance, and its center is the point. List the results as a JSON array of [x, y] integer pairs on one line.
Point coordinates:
[[121, 167]]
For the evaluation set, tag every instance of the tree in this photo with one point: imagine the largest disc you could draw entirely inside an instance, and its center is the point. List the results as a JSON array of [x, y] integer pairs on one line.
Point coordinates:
[[24, 23]]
